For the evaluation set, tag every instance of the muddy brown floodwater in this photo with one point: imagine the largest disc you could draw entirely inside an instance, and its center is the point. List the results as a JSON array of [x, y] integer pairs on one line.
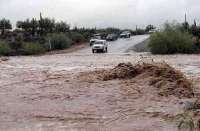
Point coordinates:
[[46, 93]]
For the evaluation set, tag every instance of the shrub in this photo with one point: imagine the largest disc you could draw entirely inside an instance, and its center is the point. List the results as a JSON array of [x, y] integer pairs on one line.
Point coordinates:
[[87, 35], [32, 49], [5, 49], [171, 40], [77, 37], [57, 42], [17, 44]]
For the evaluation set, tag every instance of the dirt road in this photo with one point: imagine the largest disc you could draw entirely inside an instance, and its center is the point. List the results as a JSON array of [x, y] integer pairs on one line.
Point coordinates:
[[119, 46], [45, 93]]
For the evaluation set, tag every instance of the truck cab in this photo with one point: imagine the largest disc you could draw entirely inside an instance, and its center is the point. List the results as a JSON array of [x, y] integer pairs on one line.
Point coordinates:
[[95, 37], [100, 46]]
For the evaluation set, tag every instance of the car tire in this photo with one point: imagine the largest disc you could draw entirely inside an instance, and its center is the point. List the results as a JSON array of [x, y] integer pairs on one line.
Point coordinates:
[[93, 51]]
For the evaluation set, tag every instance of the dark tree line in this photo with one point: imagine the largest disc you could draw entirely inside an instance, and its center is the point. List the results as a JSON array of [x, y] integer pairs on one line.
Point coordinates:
[[43, 26], [195, 29], [5, 25]]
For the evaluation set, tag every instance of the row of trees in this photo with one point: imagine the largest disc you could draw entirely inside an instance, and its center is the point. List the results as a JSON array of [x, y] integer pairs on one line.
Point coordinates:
[[176, 38], [36, 27], [5, 25], [195, 29], [43, 26]]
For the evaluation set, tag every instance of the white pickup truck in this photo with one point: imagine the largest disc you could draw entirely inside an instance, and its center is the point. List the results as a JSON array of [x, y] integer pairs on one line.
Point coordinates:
[[100, 45], [95, 37]]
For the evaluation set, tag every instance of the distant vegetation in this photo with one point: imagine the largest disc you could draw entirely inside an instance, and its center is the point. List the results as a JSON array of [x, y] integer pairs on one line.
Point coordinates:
[[176, 38], [5, 49], [35, 36], [57, 41]]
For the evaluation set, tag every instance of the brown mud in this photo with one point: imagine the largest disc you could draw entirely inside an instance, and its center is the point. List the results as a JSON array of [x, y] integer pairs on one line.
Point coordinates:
[[50, 93]]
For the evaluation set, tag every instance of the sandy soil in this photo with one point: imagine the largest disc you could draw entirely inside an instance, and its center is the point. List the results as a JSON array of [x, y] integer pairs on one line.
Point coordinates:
[[46, 93]]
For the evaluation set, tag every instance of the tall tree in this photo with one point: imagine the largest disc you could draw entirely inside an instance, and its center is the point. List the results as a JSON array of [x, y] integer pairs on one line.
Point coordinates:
[[25, 25], [186, 25], [41, 24], [195, 30], [30, 26], [46, 25], [34, 26], [5, 25], [62, 27]]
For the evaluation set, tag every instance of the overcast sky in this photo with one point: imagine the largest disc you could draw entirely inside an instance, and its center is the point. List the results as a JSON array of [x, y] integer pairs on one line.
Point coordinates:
[[103, 13]]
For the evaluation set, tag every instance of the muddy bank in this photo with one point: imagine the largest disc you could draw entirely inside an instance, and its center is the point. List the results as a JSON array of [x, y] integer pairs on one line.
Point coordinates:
[[141, 47], [166, 79], [80, 100], [143, 91], [73, 48], [48, 93]]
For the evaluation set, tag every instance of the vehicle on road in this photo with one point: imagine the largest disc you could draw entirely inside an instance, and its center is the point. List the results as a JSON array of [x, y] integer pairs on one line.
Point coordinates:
[[152, 31], [111, 37], [125, 34], [100, 46], [92, 41], [95, 37]]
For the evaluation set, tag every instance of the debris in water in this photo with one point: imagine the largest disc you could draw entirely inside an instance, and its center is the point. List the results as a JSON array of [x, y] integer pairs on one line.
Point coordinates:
[[165, 78], [4, 59]]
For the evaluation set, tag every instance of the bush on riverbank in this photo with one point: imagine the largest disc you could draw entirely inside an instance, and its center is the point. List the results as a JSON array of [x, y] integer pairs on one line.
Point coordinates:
[[5, 49], [77, 37], [32, 49], [26, 49], [57, 42], [172, 40]]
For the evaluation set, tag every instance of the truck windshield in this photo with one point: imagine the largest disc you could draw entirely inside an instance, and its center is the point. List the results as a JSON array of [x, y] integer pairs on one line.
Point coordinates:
[[99, 42]]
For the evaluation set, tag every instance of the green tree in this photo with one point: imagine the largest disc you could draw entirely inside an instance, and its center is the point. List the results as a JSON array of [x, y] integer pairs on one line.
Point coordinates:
[[46, 25], [186, 26], [57, 41], [25, 25], [17, 44], [34, 25], [62, 27], [28, 25], [5, 25], [172, 40], [195, 30]]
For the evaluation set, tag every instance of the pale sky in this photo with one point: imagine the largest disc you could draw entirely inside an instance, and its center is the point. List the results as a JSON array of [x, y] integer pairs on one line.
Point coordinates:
[[103, 13]]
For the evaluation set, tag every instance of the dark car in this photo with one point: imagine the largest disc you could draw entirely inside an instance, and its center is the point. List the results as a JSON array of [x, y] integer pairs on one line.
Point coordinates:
[[111, 37], [125, 34]]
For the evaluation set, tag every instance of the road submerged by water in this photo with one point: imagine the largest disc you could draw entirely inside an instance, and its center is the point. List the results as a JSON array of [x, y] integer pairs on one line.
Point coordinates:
[[43, 93]]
